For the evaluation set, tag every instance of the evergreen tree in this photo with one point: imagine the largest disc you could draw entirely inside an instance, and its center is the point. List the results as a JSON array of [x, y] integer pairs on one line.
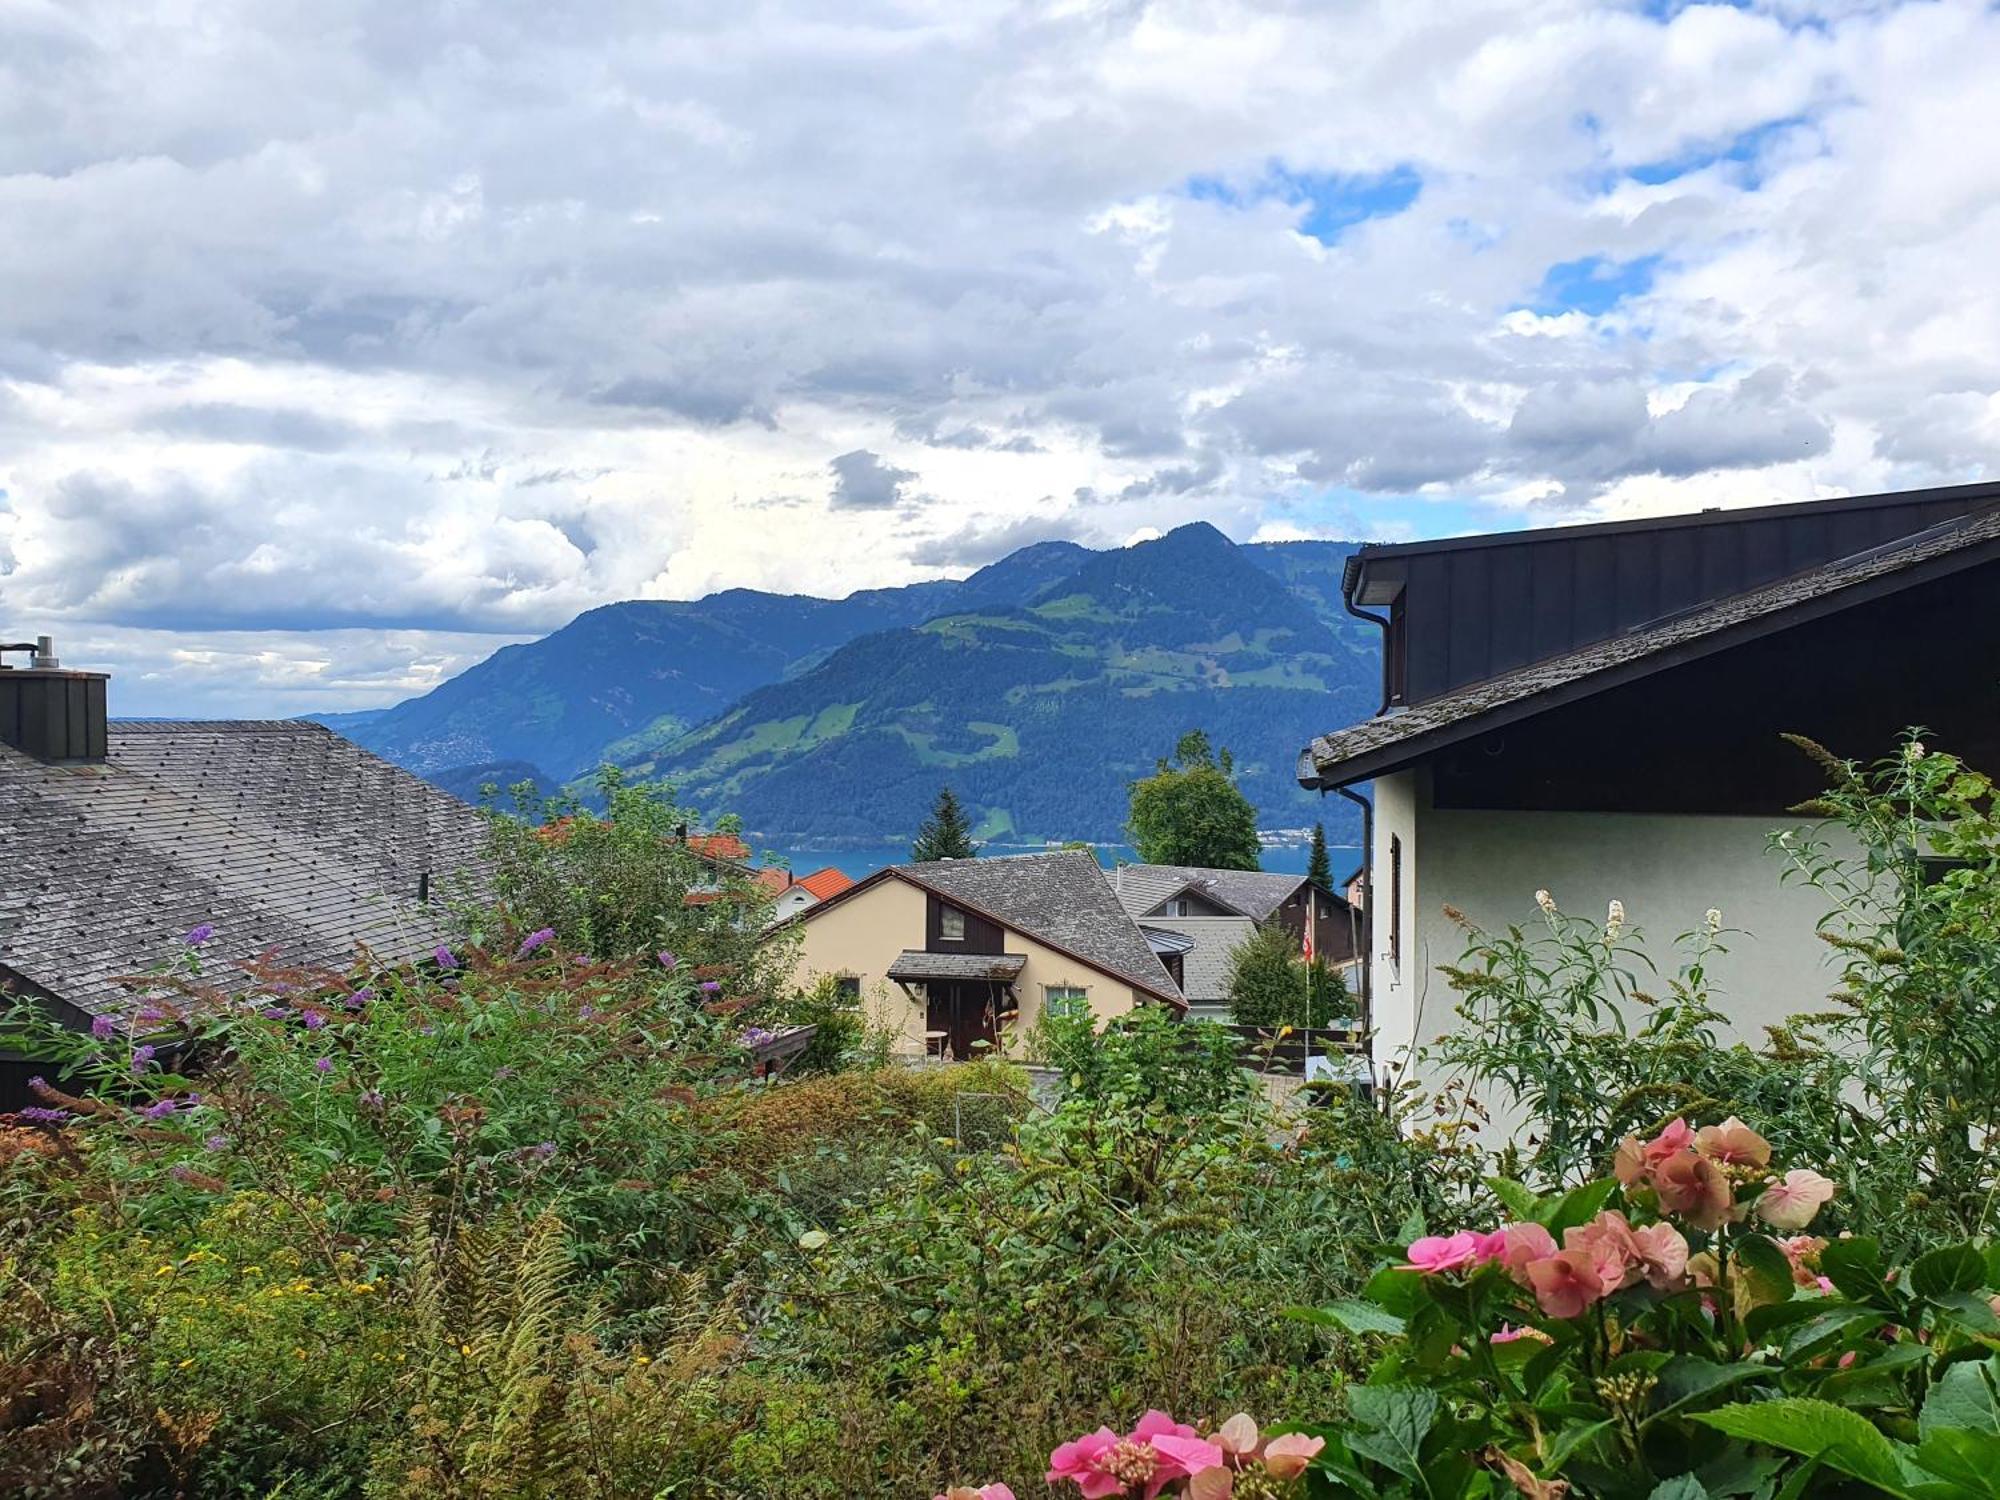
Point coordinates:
[[1190, 811], [1270, 984], [946, 833], [1319, 869]]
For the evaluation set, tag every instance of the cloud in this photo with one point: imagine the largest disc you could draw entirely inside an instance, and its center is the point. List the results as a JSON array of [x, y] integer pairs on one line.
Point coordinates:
[[861, 481], [976, 545], [626, 275]]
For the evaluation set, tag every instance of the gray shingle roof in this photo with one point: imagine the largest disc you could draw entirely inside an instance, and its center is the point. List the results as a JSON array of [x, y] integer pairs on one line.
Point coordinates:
[[1063, 898], [1254, 893], [281, 834], [914, 963], [1205, 968], [1328, 759]]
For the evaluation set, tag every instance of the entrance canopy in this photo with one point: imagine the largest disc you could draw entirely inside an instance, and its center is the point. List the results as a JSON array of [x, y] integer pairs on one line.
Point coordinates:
[[915, 966]]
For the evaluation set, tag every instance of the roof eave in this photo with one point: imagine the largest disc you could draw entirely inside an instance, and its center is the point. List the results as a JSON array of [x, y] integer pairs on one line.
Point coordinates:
[[1317, 775]]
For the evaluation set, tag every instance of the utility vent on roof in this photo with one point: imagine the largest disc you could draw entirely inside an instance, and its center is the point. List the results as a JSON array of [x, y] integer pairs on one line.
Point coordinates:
[[47, 712]]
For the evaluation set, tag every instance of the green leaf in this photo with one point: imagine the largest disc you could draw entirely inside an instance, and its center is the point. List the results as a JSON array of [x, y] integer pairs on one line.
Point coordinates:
[[1680, 1487], [1822, 1329], [1686, 1380], [1764, 1266], [1855, 1267], [1350, 1315], [1839, 1438], [1972, 1309], [1577, 1206], [1412, 1228], [1397, 1290], [1395, 1419], [1968, 1460], [1950, 1268], [1520, 1201], [1964, 1396]]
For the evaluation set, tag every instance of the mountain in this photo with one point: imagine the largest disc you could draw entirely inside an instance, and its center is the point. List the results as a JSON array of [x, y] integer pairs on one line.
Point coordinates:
[[1041, 712]]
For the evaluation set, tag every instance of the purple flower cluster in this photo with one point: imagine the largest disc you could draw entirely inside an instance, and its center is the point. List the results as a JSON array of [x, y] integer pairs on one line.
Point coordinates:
[[323, 1064], [757, 1036], [371, 1099], [159, 1109], [41, 1114], [103, 1027], [314, 1020], [276, 1012], [196, 936], [711, 986], [216, 1143], [142, 1058], [149, 1014], [535, 940], [358, 999], [667, 960], [446, 959]]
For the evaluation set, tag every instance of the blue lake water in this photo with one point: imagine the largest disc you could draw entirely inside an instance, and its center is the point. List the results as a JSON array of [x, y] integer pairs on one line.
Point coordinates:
[[1283, 859]]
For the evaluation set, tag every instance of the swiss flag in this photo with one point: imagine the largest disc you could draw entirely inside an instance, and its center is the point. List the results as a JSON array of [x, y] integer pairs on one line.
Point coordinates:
[[1309, 948]]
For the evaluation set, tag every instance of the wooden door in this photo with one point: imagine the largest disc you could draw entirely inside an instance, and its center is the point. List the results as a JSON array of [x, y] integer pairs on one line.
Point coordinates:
[[963, 1010]]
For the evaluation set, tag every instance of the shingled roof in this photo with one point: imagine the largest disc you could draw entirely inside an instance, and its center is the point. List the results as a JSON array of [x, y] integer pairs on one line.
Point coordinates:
[[1401, 737], [1252, 893], [1061, 897], [282, 835]]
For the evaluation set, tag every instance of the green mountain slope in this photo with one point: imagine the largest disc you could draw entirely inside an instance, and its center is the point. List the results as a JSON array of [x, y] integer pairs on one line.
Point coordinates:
[[1041, 714]]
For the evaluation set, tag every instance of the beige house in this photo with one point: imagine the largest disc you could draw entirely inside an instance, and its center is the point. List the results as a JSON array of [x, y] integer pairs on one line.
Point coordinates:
[[954, 954]]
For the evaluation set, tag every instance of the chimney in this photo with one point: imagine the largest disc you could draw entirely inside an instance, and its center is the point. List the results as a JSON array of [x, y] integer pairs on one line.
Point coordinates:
[[47, 712]]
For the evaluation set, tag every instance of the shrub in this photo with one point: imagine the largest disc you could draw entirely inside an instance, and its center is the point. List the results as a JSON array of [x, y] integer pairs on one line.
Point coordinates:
[[1271, 985]]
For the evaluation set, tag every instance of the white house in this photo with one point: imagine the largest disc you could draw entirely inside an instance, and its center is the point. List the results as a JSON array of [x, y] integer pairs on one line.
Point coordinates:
[[1597, 711]]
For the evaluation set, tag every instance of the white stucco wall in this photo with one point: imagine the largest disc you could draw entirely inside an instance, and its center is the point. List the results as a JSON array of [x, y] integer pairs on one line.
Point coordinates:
[[1667, 870]]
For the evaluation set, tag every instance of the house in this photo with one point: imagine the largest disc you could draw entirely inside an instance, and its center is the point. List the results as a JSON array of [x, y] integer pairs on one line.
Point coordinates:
[[122, 836], [1596, 711], [1212, 911], [951, 954], [796, 893]]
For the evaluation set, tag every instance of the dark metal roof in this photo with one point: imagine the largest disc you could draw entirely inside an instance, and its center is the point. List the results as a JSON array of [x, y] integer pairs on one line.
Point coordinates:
[[1401, 737], [281, 834], [914, 963]]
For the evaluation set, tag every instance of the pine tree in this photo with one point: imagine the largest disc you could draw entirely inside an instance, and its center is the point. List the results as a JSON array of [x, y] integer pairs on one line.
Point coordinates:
[[946, 833], [1319, 869]]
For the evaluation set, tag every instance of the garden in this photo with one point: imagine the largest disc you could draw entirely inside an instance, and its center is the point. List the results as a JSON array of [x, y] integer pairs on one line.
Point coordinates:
[[519, 1220]]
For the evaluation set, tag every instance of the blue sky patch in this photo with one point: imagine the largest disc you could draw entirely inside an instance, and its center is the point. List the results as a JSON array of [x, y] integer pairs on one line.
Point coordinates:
[[1593, 285], [1746, 150], [1331, 202]]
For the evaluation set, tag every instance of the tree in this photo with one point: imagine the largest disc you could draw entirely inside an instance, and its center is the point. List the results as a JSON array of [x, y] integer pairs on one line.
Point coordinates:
[[1319, 869], [1190, 811], [946, 833], [1270, 984]]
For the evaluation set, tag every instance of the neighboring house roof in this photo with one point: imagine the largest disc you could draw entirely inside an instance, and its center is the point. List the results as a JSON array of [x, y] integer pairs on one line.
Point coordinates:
[[1399, 738], [915, 963], [1205, 968], [823, 884], [718, 846], [1253, 893], [282, 835], [772, 879], [1062, 899]]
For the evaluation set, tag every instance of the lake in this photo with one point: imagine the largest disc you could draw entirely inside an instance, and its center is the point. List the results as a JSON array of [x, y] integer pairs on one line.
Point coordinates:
[[1287, 859]]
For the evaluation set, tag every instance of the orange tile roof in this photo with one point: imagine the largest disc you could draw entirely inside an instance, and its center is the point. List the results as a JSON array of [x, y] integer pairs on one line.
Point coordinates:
[[771, 877], [718, 846], [825, 883]]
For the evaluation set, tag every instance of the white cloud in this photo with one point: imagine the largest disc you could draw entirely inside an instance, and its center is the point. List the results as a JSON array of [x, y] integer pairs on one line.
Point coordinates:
[[440, 320]]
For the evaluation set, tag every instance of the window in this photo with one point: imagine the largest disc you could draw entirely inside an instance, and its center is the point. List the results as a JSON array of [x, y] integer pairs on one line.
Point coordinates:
[[1065, 1000], [848, 987], [951, 924], [1396, 901]]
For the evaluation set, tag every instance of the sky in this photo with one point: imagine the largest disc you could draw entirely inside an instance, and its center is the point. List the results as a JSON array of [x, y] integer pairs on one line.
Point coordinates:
[[344, 341]]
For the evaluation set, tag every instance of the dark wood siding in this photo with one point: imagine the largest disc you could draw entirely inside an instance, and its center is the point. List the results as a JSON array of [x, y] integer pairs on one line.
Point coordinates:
[[981, 936], [1467, 613], [1706, 737], [53, 716]]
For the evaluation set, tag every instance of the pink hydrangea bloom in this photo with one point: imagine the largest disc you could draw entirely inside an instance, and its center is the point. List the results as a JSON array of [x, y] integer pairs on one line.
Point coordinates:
[[984, 1492], [1438, 1252], [1523, 1244], [1792, 1202], [1083, 1462], [1613, 1251], [1565, 1283], [1286, 1457], [1734, 1143], [1663, 1255]]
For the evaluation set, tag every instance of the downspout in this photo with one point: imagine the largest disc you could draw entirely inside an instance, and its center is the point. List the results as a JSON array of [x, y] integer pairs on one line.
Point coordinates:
[[1365, 872]]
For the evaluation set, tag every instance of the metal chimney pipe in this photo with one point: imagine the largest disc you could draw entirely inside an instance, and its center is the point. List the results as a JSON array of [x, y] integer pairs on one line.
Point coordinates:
[[45, 654]]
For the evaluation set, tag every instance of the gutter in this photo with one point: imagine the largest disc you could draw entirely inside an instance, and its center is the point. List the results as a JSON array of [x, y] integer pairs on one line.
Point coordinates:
[[1365, 872]]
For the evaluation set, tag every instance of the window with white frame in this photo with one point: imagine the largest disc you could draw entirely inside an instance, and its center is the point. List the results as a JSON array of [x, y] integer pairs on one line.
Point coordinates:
[[1065, 1000], [951, 924]]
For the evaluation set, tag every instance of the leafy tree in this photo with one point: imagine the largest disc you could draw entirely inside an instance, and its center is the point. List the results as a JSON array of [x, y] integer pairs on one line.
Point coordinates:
[[946, 833], [1319, 869], [1271, 985], [1190, 811]]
